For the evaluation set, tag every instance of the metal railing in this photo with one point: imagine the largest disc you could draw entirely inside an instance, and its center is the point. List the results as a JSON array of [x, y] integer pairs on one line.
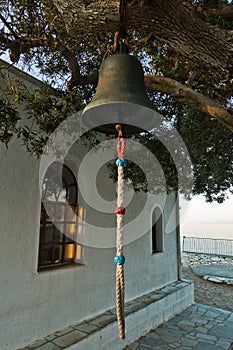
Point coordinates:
[[208, 246]]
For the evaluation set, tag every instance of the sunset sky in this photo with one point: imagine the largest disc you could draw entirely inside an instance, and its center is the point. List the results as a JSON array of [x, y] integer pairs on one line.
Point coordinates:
[[212, 220]]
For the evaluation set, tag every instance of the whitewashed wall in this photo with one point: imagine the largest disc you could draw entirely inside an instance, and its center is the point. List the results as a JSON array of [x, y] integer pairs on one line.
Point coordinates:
[[34, 304]]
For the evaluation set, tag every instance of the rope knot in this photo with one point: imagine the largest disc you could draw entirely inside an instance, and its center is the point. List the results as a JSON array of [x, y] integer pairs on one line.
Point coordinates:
[[121, 162], [120, 210], [119, 259]]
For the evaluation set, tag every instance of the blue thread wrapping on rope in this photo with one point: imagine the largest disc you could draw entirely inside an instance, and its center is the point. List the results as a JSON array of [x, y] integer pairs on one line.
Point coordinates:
[[121, 162], [119, 259]]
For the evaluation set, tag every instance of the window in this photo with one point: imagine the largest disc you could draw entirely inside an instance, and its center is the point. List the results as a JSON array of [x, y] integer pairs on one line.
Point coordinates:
[[58, 217], [157, 231]]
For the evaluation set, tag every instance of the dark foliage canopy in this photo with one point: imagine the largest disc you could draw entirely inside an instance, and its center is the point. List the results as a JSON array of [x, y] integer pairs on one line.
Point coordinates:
[[188, 67]]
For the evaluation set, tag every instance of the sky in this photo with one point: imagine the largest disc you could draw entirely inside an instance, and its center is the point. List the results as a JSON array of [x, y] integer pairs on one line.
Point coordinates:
[[210, 220]]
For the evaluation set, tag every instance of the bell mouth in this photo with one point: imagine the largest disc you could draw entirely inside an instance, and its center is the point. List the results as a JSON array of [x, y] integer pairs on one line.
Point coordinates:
[[134, 118], [110, 129]]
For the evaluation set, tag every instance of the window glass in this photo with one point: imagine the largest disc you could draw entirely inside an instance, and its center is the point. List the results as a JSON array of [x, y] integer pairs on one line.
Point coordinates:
[[58, 217]]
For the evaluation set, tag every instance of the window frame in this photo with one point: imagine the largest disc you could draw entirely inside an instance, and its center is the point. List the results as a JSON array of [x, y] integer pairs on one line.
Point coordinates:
[[56, 247]]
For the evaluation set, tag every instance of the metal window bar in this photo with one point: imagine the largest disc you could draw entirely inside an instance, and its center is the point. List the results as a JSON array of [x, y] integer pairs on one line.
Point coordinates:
[[54, 243]]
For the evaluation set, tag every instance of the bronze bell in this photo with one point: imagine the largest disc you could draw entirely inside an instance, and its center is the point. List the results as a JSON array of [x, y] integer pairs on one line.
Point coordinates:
[[121, 98]]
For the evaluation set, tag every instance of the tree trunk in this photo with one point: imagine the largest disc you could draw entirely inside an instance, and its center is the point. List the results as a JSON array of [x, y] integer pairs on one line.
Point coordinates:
[[172, 22]]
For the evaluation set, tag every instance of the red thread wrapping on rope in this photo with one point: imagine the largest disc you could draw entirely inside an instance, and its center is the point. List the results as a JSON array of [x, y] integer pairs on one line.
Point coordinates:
[[121, 147], [120, 210]]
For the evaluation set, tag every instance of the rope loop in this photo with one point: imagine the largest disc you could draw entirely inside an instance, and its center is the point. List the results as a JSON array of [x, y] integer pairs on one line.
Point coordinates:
[[121, 147], [122, 24], [121, 141], [118, 128]]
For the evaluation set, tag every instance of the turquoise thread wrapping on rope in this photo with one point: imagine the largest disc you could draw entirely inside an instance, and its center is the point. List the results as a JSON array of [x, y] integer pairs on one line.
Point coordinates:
[[119, 259], [121, 162]]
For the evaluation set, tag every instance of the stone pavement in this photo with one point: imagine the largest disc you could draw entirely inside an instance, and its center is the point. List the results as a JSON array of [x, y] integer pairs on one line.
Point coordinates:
[[199, 327], [218, 295]]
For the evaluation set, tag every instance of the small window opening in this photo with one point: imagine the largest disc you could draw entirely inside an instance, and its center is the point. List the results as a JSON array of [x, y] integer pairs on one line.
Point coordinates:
[[157, 231]]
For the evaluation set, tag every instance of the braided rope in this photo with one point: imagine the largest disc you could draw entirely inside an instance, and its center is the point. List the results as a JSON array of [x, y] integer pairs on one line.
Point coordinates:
[[120, 292], [120, 296], [120, 188]]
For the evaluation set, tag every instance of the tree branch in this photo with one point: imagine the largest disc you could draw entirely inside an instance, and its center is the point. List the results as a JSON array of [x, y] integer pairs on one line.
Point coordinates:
[[136, 44], [22, 45], [8, 26], [189, 97], [181, 93], [3, 38], [170, 21], [221, 10]]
